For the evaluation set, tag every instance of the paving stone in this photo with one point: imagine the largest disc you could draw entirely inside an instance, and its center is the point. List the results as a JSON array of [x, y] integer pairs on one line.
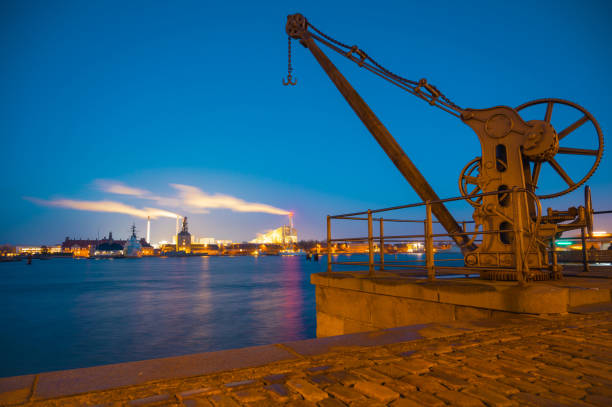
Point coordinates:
[[242, 383], [523, 385], [321, 379], [329, 402], [197, 402], [424, 383], [194, 392], [344, 393], [439, 349], [300, 403], [450, 380], [279, 391], [566, 401], [344, 377], [555, 359], [415, 366], [371, 375], [248, 395], [496, 386], [404, 402], [401, 387], [484, 369], [490, 397], [600, 390], [426, 399], [558, 373], [526, 399], [318, 368], [591, 363], [376, 391], [309, 391], [149, 400], [391, 370], [594, 372], [221, 400], [598, 400], [275, 378], [368, 403], [480, 373], [524, 368], [459, 399]]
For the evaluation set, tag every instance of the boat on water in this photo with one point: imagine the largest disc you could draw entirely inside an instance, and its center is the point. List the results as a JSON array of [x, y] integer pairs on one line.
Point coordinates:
[[292, 252], [132, 248]]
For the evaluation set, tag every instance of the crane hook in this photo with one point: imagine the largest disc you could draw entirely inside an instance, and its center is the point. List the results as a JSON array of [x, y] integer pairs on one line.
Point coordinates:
[[290, 80]]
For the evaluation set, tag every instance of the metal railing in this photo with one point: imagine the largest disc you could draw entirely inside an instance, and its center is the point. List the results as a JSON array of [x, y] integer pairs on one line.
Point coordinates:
[[429, 237]]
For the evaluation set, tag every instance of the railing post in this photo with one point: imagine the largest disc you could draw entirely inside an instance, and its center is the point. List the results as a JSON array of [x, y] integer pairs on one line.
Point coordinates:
[[370, 245], [329, 265], [429, 249], [382, 246], [585, 256], [518, 236], [555, 265]]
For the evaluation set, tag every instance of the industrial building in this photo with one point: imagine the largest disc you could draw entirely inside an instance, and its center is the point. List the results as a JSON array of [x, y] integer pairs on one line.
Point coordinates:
[[284, 235]]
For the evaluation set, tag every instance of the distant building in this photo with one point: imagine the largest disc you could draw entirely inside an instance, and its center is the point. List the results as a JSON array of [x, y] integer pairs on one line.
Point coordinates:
[[207, 240], [105, 247], [7, 250], [183, 239], [109, 247], [38, 249]]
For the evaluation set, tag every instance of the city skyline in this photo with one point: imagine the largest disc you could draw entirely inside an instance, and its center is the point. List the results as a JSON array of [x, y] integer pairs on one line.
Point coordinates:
[[150, 96]]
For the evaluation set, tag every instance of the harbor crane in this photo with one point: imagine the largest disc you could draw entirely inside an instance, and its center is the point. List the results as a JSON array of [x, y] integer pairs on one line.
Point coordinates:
[[501, 184]]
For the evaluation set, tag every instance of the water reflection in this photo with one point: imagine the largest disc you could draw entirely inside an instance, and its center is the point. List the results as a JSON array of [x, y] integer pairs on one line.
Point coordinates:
[[68, 314]]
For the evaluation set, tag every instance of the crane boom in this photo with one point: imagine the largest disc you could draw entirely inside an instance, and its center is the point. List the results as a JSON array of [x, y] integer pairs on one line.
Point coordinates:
[[297, 28]]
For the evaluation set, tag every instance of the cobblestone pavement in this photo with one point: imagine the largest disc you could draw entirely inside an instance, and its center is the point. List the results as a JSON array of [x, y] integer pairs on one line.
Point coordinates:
[[546, 361]]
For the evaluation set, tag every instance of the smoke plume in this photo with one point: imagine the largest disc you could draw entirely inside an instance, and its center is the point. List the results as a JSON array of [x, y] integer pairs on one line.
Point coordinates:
[[197, 199], [106, 206]]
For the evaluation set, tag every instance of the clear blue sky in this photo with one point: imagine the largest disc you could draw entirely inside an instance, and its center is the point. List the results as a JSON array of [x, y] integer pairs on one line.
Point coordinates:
[[148, 94]]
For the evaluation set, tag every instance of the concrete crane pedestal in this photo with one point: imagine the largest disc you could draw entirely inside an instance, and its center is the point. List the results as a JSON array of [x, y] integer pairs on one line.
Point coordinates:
[[350, 302]]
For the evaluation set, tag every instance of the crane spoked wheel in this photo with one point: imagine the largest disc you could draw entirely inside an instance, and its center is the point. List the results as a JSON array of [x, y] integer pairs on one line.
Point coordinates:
[[468, 182], [544, 143]]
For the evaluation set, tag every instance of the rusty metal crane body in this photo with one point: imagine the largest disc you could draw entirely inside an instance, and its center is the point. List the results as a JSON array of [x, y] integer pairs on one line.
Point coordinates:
[[500, 184]]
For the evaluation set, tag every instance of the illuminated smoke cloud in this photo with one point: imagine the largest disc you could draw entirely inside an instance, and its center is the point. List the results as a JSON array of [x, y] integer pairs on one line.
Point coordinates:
[[106, 206], [115, 187], [119, 188], [196, 198]]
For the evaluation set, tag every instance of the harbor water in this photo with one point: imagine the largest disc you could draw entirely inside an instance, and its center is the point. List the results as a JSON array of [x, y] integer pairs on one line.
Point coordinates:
[[68, 313]]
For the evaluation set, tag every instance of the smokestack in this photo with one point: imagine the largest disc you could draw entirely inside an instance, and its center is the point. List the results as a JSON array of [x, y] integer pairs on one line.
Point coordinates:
[[149, 229], [291, 219], [177, 225]]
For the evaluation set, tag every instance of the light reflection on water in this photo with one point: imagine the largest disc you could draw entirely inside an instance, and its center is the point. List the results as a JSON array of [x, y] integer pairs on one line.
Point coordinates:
[[64, 313]]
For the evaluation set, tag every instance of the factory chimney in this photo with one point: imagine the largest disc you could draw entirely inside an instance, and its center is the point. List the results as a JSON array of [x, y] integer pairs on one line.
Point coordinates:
[[291, 219], [177, 225], [149, 229]]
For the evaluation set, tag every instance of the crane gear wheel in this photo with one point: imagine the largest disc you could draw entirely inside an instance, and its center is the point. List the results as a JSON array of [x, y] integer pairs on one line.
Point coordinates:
[[467, 178], [547, 156]]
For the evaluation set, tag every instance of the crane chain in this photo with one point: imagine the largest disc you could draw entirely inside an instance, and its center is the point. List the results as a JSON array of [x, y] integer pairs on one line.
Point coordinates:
[[382, 68], [289, 80]]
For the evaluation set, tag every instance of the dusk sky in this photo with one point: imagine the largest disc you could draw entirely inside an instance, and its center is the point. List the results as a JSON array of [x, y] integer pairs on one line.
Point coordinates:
[[129, 108]]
